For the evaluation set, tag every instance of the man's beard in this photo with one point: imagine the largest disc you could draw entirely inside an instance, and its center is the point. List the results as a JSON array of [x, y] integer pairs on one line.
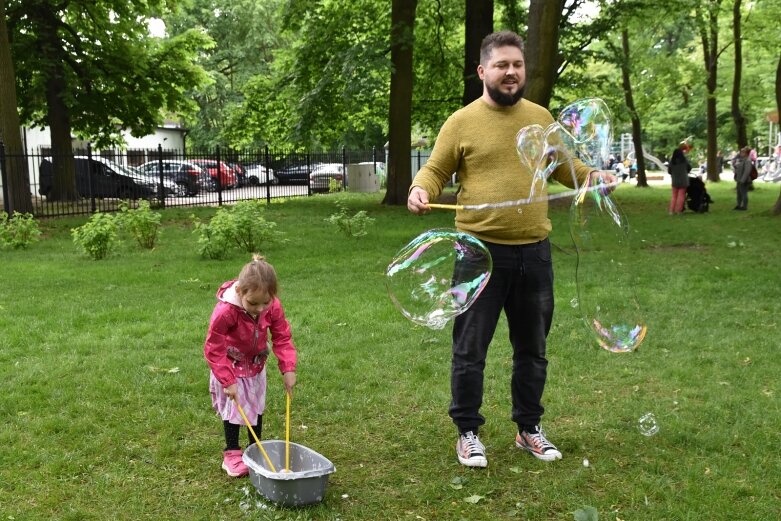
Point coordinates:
[[503, 99]]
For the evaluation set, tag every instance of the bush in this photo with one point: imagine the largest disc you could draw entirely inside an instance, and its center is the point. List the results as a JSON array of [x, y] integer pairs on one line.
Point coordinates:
[[19, 231], [242, 225], [98, 236], [354, 226], [142, 223]]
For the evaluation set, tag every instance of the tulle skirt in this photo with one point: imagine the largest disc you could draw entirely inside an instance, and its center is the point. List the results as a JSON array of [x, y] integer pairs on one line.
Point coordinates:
[[252, 397]]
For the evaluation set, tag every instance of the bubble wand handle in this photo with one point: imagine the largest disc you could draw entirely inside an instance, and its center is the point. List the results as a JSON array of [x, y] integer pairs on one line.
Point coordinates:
[[446, 206], [257, 441], [287, 432]]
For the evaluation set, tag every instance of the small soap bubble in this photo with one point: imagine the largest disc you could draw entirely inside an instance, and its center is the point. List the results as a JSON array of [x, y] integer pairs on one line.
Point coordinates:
[[647, 424], [574, 302], [585, 462], [437, 276]]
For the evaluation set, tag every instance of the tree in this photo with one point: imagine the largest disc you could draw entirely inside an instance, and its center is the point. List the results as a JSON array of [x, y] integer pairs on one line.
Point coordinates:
[[777, 207], [542, 41], [91, 69], [18, 180], [708, 23], [737, 114], [400, 116], [478, 23]]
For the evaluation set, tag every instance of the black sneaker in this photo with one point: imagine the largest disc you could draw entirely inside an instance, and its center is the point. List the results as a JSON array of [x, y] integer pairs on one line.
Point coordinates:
[[470, 451], [535, 442]]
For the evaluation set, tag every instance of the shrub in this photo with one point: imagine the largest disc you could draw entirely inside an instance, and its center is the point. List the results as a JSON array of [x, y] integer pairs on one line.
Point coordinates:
[[142, 223], [242, 225], [98, 236], [354, 226], [19, 231]]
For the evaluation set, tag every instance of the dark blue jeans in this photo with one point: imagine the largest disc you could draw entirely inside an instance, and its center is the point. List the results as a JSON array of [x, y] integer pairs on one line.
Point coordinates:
[[521, 284]]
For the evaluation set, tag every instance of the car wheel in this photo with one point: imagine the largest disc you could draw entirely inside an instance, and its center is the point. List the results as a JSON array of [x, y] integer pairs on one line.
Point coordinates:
[[253, 180], [182, 189]]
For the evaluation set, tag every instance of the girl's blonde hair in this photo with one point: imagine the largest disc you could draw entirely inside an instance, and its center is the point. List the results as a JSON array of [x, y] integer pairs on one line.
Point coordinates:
[[258, 274]]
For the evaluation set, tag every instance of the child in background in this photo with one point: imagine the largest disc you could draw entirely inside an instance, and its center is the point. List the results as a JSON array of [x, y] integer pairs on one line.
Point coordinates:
[[236, 349]]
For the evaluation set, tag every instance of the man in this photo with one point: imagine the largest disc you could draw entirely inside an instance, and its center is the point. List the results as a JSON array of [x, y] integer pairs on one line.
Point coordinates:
[[478, 143]]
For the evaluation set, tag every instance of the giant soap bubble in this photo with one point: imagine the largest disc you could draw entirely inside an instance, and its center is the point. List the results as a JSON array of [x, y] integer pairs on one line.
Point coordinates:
[[438, 275], [605, 280], [582, 130]]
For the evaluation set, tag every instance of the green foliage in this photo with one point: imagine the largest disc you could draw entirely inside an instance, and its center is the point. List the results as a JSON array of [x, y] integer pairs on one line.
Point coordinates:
[[241, 226], [98, 237], [19, 231], [352, 226], [111, 74], [142, 223]]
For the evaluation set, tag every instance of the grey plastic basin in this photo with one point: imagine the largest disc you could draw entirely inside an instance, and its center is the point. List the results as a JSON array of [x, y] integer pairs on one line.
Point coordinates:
[[304, 484]]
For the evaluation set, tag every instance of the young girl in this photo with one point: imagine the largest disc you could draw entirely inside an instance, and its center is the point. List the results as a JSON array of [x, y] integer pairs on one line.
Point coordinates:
[[236, 349]]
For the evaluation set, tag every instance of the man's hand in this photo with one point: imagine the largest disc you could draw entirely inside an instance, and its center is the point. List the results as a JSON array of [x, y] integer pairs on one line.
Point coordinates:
[[417, 202], [603, 178]]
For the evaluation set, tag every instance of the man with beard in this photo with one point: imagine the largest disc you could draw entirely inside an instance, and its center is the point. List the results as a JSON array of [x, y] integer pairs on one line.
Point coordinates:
[[477, 142]]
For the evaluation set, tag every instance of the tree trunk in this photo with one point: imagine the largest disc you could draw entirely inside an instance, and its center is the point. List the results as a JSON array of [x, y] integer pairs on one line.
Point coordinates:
[[400, 114], [637, 129], [17, 177], [478, 23], [737, 114], [710, 36], [542, 48], [777, 206]]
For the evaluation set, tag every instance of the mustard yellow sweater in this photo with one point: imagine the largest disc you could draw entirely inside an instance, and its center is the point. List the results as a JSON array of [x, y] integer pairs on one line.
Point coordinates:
[[477, 142]]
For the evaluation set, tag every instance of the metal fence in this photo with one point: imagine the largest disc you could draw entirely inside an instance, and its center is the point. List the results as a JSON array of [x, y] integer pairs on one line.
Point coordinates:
[[171, 178]]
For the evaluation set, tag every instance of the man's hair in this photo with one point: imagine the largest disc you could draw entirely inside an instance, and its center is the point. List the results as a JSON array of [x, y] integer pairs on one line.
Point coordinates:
[[499, 39]]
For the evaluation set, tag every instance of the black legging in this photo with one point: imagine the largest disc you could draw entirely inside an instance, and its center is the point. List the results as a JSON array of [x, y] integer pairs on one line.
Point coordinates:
[[232, 433]]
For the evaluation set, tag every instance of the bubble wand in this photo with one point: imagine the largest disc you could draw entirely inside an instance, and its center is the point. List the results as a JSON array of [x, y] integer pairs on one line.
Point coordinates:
[[257, 441], [520, 202]]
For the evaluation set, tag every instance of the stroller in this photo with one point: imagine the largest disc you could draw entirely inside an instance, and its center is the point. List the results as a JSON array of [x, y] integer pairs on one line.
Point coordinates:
[[697, 197]]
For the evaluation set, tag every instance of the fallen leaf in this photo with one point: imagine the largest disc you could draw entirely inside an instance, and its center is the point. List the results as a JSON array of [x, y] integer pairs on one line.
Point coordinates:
[[474, 499]]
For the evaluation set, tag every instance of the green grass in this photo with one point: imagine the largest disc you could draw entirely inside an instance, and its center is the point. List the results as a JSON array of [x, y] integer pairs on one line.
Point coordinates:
[[106, 413]]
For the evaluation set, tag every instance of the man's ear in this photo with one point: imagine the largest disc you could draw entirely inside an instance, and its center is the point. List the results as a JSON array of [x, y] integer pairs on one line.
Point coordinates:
[[481, 71]]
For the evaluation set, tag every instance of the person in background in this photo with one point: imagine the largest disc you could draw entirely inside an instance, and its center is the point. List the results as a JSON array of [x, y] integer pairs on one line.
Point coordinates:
[[678, 168], [478, 143], [742, 166]]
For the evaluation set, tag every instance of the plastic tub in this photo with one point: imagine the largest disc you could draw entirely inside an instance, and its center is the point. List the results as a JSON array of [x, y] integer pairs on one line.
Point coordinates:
[[304, 484]]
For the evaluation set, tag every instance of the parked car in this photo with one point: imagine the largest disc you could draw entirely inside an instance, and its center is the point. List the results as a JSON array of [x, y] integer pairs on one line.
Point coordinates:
[[96, 178], [152, 181], [240, 172], [227, 176], [257, 174], [184, 174], [294, 175], [322, 174]]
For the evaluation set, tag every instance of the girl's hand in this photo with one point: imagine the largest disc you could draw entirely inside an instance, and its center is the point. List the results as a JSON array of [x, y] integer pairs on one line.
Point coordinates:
[[232, 392], [289, 379]]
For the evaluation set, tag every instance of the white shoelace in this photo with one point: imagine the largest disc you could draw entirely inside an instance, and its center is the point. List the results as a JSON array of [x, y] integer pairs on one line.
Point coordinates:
[[472, 444]]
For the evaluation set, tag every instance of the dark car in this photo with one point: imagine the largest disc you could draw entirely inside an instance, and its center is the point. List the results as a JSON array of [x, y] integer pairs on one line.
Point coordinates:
[[294, 175], [105, 181], [185, 174]]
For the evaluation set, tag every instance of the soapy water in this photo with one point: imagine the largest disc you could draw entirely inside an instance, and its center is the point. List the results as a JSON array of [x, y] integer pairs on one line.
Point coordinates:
[[437, 276]]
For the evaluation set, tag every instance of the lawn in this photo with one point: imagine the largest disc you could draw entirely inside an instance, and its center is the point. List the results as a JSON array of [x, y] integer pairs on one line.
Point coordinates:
[[106, 412]]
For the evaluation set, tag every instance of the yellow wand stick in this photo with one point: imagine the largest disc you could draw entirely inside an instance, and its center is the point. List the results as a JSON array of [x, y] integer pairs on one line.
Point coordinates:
[[287, 434], [257, 441], [446, 206]]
